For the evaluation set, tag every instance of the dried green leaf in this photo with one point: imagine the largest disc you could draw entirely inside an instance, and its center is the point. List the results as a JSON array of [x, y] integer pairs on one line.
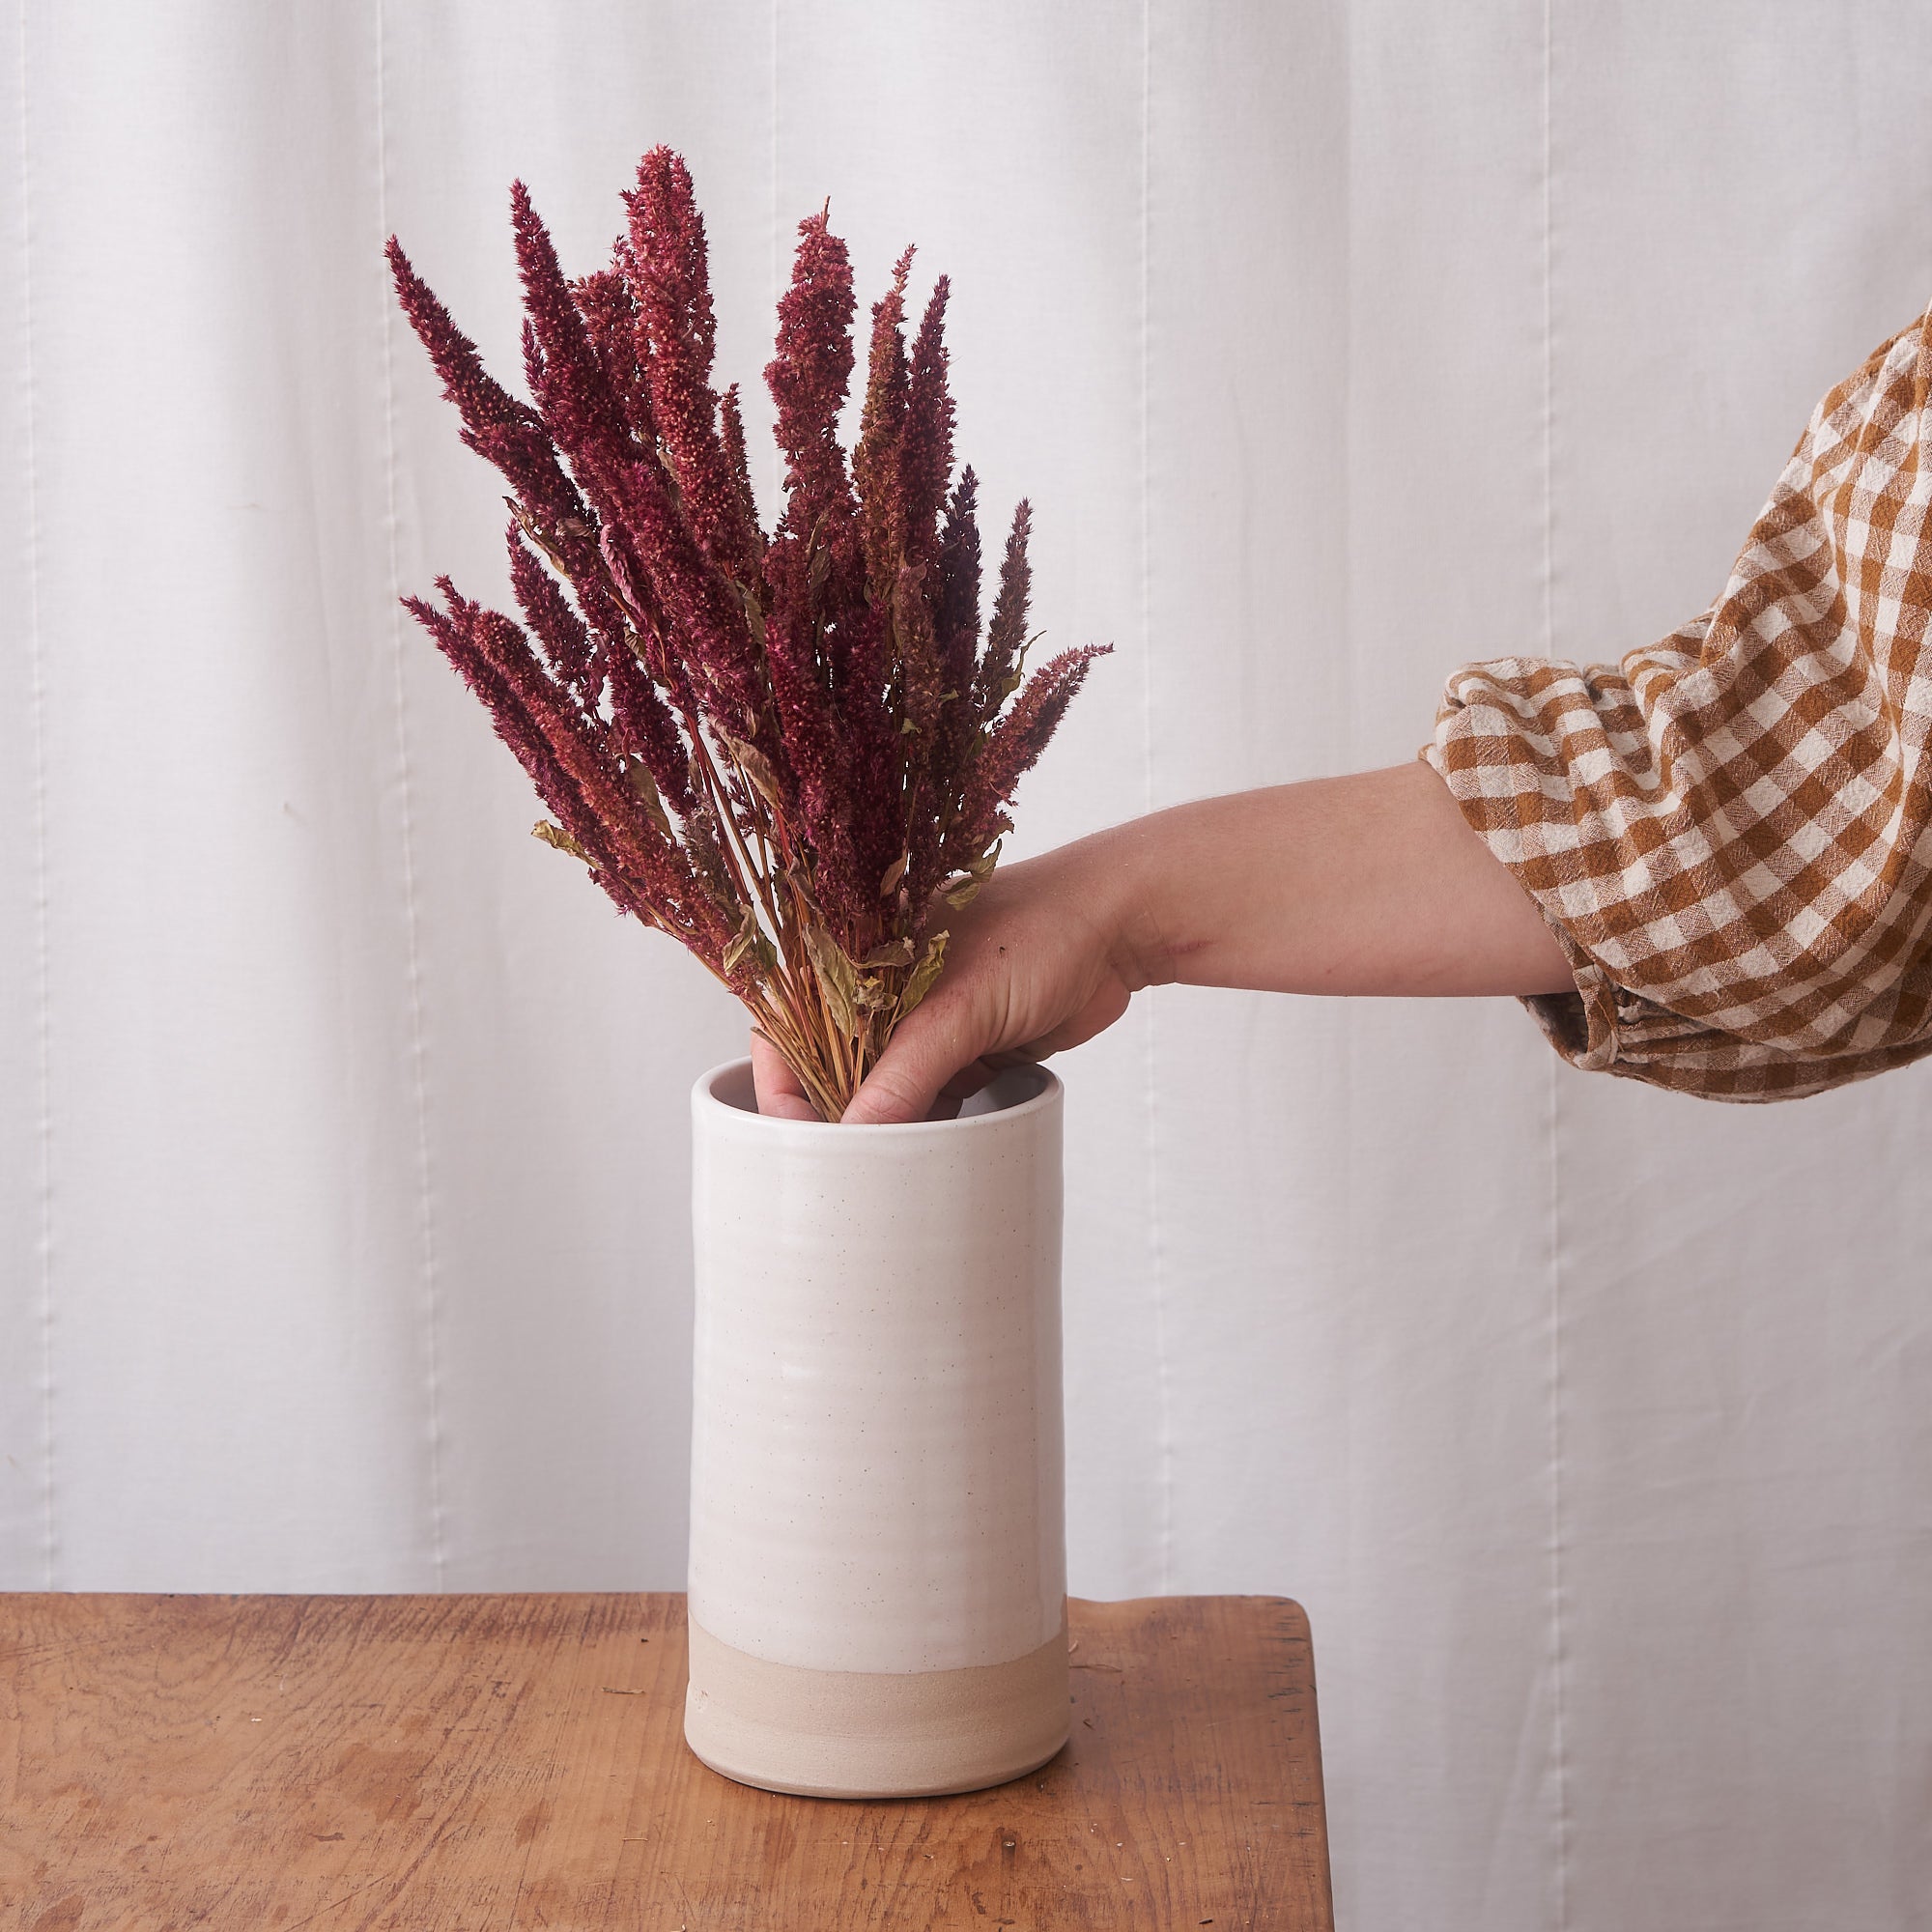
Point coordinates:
[[535, 532], [555, 835], [894, 952], [752, 762], [836, 979], [965, 889], [982, 868], [923, 974], [754, 614], [1016, 677], [800, 885], [746, 937], [637, 775], [895, 872]]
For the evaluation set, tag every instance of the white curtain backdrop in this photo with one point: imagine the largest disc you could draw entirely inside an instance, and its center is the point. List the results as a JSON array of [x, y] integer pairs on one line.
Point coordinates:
[[343, 1161]]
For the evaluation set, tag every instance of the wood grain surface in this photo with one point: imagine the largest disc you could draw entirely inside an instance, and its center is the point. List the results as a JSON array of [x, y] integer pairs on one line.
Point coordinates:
[[463, 1763]]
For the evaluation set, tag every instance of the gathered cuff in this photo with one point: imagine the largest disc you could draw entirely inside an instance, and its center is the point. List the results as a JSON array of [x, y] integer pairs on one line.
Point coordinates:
[[1601, 1026]]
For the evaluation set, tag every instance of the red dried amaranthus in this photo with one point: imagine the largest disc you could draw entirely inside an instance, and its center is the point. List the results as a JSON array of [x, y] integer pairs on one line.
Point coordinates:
[[789, 750]]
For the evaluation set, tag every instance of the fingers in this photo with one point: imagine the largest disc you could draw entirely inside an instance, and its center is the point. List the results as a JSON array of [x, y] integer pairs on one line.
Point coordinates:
[[778, 1087], [781, 1097], [928, 1052]]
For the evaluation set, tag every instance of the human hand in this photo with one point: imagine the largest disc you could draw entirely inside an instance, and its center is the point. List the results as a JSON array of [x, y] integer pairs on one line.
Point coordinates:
[[1041, 959]]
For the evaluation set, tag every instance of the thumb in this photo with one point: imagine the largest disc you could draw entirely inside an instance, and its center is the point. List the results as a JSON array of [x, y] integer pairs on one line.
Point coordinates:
[[934, 1042]]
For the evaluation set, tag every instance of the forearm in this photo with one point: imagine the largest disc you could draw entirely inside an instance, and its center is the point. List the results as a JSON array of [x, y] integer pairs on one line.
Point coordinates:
[[1367, 884], [1370, 884]]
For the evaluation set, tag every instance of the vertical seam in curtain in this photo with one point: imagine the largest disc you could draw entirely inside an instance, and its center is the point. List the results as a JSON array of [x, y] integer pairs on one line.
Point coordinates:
[[771, 455], [1157, 1254], [1558, 1660], [44, 1025], [418, 1043]]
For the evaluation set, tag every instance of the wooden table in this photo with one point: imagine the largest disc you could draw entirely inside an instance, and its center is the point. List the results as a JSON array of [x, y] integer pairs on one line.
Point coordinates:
[[461, 1764]]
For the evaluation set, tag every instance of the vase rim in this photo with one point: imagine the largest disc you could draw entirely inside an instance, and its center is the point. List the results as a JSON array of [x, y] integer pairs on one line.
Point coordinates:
[[712, 1089]]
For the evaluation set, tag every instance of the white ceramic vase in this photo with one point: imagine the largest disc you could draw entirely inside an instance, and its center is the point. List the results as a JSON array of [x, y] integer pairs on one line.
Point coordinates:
[[878, 1572]]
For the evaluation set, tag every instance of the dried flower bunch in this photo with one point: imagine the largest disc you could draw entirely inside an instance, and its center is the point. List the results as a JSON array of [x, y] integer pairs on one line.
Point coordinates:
[[787, 750]]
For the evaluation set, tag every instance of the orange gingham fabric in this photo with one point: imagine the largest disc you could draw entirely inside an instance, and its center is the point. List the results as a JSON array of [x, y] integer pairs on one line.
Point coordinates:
[[1729, 831]]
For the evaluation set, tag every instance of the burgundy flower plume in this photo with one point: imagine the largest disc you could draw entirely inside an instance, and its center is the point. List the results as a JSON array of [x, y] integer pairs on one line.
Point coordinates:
[[790, 750]]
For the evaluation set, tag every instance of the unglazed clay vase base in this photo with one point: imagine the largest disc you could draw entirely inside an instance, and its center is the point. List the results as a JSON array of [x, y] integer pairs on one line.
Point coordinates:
[[878, 1569], [873, 1733]]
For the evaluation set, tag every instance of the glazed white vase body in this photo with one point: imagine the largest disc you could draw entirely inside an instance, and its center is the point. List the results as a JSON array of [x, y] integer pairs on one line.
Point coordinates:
[[878, 1573]]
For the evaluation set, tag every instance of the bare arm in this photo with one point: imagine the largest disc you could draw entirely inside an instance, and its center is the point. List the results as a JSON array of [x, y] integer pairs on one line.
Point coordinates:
[[1368, 884]]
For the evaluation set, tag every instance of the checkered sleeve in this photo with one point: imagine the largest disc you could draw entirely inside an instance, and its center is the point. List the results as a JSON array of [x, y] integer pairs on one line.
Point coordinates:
[[1728, 832]]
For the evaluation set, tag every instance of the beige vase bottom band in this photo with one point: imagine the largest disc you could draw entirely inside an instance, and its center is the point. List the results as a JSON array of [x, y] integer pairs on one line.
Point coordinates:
[[873, 1734]]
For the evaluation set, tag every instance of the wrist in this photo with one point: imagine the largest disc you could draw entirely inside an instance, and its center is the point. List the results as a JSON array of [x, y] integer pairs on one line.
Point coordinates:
[[1132, 902]]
